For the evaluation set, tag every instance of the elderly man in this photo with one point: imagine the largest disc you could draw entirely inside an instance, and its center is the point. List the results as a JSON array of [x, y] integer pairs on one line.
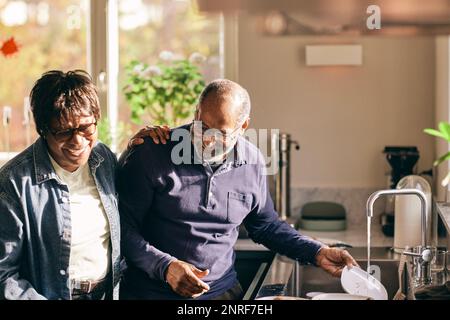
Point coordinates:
[[180, 219]]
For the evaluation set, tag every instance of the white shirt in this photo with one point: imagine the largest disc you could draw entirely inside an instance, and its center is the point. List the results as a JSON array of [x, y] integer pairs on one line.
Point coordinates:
[[90, 245]]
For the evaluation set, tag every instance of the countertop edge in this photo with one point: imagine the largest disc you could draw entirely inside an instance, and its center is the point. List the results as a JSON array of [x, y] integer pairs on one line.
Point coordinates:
[[443, 209]]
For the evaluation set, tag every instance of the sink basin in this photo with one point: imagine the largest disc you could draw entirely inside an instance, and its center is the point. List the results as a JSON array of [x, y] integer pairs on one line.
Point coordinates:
[[289, 278], [306, 279], [286, 277]]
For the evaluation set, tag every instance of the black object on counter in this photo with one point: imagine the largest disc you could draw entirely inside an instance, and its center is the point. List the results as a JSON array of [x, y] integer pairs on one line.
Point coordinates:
[[387, 224], [402, 160]]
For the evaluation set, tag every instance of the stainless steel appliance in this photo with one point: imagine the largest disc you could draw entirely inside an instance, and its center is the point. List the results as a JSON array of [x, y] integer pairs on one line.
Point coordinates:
[[280, 182], [281, 148]]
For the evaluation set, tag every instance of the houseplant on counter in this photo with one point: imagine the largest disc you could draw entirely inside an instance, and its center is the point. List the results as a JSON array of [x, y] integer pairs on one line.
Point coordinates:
[[444, 133], [164, 93]]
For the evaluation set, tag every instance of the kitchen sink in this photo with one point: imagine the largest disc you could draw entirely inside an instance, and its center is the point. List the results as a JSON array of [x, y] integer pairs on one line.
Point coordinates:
[[306, 279], [289, 278], [286, 277]]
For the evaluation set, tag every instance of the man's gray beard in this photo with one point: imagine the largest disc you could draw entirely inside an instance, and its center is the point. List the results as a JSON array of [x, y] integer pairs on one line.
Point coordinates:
[[217, 158]]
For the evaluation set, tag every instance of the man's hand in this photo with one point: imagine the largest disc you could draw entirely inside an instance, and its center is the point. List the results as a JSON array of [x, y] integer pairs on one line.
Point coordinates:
[[184, 279], [333, 260], [157, 133]]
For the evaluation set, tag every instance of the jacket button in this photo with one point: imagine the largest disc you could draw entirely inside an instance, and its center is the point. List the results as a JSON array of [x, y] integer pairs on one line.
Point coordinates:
[[62, 272]]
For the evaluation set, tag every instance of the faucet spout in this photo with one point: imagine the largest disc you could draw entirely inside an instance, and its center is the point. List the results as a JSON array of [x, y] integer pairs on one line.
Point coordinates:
[[423, 201], [423, 272]]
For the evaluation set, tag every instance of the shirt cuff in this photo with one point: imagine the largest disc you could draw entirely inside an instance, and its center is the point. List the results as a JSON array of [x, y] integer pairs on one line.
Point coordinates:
[[162, 266], [313, 251], [314, 262]]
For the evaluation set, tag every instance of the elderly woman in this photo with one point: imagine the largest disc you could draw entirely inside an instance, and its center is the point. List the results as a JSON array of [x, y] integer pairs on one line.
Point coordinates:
[[59, 220]]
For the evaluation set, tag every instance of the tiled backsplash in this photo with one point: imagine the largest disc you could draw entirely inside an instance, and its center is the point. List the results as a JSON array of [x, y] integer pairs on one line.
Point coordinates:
[[353, 199]]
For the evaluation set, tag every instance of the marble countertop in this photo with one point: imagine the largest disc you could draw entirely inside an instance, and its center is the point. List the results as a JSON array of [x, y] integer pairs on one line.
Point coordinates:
[[356, 237]]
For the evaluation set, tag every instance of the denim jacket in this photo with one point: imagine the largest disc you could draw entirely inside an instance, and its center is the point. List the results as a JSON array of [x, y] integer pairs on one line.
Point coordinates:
[[35, 227]]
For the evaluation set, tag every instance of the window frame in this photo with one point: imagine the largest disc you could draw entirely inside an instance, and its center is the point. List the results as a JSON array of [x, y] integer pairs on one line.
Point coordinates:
[[103, 57]]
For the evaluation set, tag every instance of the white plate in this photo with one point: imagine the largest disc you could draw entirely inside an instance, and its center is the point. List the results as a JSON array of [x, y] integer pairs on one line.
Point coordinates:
[[339, 296], [312, 294], [359, 282]]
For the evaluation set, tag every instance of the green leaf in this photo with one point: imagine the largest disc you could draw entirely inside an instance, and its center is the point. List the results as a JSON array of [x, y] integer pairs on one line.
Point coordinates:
[[168, 98], [135, 117], [104, 132], [443, 158], [446, 180], [444, 127], [435, 133]]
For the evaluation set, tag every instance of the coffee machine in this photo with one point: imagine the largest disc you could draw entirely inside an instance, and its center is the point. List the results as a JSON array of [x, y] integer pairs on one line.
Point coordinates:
[[402, 160]]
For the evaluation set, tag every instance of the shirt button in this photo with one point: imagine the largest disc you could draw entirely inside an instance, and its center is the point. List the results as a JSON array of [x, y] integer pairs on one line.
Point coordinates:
[[210, 194], [65, 200], [62, 272]]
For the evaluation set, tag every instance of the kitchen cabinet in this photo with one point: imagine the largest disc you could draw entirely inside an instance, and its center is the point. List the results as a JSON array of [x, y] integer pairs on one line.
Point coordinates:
[[251, 268]]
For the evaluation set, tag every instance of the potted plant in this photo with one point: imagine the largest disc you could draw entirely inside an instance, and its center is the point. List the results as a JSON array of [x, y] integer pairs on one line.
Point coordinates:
[[164, 93], [444, 133]]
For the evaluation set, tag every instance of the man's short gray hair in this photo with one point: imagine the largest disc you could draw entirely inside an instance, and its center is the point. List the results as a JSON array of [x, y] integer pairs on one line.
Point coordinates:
[[224, 87]]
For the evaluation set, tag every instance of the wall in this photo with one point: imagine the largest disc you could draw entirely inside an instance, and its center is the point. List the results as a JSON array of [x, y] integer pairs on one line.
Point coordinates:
[[442, 106], [342, 116]]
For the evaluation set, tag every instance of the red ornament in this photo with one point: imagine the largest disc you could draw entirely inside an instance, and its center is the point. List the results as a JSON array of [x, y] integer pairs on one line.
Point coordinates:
[[9, 47]]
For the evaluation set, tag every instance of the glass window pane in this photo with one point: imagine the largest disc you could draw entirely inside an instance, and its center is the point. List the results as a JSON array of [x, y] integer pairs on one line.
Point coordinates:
[[50, 35], [149, 27]]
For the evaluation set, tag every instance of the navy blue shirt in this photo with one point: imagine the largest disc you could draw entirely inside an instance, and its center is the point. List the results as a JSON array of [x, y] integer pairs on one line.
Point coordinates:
[[187, 211]]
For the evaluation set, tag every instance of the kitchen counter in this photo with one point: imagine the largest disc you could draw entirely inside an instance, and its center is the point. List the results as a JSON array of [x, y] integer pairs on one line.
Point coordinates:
[[353, 237], [356, 237]]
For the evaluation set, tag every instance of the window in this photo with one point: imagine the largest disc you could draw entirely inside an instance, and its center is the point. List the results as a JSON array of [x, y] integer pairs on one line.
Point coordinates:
[[51, 35], [149, 27], [57, 34]]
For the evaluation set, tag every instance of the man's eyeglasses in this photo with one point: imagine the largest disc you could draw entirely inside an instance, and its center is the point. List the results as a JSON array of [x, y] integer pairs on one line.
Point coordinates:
[[86, 131], [225, 136]]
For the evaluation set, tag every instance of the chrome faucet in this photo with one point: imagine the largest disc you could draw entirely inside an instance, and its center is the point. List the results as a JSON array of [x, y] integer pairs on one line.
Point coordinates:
[[425, 255]]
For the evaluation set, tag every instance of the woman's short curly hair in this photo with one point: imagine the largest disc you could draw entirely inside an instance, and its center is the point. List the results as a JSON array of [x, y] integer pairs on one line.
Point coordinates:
[[63, 96]]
